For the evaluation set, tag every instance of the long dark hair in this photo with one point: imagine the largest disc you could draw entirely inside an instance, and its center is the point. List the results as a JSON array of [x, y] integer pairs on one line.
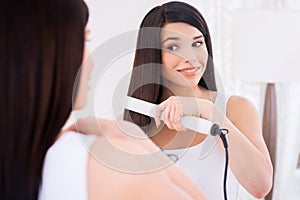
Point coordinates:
[[145, 81], [41, 48]]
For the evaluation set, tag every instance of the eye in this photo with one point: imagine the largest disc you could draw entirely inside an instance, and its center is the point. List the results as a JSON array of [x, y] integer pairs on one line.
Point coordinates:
[[197, 44], [172, 48]]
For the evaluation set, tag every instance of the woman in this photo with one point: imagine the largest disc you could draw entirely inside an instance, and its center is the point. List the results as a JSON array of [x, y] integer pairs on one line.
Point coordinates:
[[36, 39], [175, 35], [42, 46]]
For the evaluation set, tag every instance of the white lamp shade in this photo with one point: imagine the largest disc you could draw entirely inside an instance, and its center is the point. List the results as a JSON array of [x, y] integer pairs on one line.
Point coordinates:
[[266, 45]]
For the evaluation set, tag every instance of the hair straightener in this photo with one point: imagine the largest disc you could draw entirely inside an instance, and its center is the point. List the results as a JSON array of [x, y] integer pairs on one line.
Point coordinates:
[[189, 122]]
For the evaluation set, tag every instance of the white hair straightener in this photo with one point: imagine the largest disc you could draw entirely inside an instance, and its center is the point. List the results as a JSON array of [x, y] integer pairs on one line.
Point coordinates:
[[189, 122]]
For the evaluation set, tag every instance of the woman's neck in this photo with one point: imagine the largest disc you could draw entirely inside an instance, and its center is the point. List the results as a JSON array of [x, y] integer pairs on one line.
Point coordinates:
[[196, 91]]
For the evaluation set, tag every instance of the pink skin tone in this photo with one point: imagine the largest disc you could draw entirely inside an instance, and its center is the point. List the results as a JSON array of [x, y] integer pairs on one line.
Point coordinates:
[[184, 54], [86, 69]]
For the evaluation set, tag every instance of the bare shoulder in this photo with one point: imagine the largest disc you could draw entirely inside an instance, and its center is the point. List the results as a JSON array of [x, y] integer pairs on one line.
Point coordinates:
[[239, 102], [239, 107], [120, 129], [243, 114], [123, 160], [126, 136]]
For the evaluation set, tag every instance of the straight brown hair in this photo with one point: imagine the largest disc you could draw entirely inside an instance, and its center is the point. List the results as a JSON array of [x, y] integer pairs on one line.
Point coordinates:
[[41, 48], [145, 83]]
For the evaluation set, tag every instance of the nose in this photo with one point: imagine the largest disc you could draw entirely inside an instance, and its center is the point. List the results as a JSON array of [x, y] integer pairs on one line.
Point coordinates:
[[189, 55], [192, 59]]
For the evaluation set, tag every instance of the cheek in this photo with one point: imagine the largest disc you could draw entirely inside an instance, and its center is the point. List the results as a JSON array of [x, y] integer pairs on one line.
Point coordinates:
[[87, 65], [203, 55], [85, 53], [206, 56], [169, 59]]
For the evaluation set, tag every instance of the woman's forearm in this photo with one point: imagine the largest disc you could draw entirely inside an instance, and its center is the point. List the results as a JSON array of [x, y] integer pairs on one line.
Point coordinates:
[[250, 166]]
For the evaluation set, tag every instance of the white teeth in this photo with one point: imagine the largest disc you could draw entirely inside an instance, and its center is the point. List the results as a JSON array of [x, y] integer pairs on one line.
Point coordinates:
[[189, 70]]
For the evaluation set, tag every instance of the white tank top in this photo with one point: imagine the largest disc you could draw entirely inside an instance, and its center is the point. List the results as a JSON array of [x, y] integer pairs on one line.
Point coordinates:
[[205, 164], [65, 168]]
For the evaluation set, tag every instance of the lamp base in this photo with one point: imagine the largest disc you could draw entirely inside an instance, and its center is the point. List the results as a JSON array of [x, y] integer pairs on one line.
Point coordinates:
[[270, 127]]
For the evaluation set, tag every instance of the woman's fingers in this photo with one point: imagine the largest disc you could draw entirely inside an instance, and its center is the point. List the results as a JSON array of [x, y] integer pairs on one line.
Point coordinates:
[[172, 113], [158, 112], [167, 116], [177, 118], [72, 128]]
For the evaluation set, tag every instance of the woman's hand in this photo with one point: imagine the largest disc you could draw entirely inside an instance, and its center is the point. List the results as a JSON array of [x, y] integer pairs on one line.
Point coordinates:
[[176, 107], [172, 113], [89, 126]]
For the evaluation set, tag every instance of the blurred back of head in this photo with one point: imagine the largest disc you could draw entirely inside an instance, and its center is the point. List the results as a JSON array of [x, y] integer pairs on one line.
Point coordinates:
[[41, 47]]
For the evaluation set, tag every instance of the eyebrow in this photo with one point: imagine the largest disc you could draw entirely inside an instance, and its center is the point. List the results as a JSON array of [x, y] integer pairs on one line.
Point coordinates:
[[170, 38], [197, 37], [177, 38]]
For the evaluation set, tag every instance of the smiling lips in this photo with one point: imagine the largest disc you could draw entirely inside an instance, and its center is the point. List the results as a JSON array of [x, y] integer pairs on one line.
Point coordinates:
[[189, 71]]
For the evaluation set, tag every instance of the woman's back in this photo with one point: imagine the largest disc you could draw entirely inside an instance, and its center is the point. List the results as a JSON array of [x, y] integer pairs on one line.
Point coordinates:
[[65, 167], [75, 168]]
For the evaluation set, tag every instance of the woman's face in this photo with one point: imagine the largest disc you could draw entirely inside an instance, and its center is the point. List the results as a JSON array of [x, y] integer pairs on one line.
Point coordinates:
[[85, 76], [184, 52]]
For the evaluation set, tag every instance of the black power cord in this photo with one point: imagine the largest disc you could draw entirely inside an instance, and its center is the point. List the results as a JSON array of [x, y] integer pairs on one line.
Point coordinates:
[[215, 130]]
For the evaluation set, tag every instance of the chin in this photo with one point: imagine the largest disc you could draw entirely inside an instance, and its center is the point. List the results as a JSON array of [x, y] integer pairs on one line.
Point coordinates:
[[194, 83]]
